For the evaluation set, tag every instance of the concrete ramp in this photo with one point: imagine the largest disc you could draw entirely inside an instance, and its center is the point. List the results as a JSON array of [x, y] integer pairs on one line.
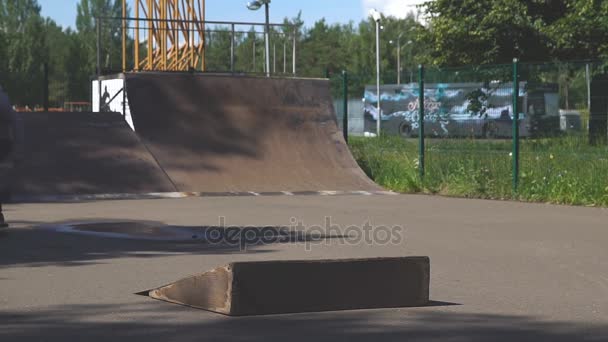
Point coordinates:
[[83, 153], [239, 134], [277, 287]]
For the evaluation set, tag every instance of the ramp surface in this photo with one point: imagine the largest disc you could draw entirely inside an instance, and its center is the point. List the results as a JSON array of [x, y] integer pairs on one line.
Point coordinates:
[[278, 287], [236, 134], [84, 153]]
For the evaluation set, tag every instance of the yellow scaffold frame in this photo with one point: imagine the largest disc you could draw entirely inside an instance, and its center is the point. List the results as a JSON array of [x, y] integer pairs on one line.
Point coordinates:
[[172, 32]]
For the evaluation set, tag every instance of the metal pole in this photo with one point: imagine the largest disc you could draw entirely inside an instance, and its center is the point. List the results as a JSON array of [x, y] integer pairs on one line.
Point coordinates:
[[191, 28], [588, 80], [515, 124], [254, 53], [267, 31], [45, 90], [98, 22], [150, 52], [399, 60], [203, 11], [284, 56], [421, 151], [295, 34], [163, 41], [378, 77], [232, 50], [136, 43], [274, 58], [410, 58], [124, 35], [345, 113]]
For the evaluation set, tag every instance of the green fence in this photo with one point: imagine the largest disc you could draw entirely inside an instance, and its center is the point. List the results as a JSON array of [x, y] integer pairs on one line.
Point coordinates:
[[518, 131]]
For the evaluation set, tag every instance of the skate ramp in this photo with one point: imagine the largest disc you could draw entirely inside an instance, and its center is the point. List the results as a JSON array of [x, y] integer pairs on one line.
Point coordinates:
[[239, 134], [83, 153], [279, 287]]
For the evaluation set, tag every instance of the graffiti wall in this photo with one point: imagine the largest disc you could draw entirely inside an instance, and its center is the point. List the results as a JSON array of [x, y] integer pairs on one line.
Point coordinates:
[[456, 109]]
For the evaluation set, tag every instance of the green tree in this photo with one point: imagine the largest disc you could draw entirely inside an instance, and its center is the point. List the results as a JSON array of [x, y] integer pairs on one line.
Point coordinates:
[[244, 51], [326, 47], [217, 49], [582, 32], [3, 59], [24, 49], [470, 32], [57, 46], [78, 68], [110, 36]]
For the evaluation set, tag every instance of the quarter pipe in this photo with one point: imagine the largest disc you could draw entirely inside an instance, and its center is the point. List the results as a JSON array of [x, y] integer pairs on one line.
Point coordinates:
[[214, 133], [83, 153], [194, 133]]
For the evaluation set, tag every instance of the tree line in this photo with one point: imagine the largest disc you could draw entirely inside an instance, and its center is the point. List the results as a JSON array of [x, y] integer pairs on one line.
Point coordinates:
[[448, 33], [29, 41]]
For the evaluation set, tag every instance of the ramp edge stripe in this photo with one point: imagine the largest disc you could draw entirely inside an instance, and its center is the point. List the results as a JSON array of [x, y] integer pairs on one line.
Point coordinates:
[[178, 195]]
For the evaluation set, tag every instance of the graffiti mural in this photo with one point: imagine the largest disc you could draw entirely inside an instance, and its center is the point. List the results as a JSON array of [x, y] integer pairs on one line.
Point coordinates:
[[456, 109]]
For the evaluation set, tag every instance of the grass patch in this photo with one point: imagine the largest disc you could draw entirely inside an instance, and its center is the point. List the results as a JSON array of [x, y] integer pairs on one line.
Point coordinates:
[[563, 170]]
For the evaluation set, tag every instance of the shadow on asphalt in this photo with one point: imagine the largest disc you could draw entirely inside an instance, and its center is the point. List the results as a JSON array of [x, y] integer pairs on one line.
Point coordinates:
[[157, 322], [36, 247]]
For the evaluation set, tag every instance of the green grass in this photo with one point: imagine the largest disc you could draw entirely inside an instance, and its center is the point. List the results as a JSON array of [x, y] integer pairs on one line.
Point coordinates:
[[564, 170]]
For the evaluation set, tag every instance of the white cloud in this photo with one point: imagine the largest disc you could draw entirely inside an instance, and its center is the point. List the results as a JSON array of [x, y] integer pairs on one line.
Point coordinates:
[[395, 8]]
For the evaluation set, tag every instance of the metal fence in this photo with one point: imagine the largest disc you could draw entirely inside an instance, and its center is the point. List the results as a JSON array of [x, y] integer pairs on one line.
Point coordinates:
[[531, 131], [202, 46], [194, 46]]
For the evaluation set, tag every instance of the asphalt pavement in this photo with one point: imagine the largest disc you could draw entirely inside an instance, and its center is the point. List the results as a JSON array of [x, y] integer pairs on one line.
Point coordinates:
[[500, 271]]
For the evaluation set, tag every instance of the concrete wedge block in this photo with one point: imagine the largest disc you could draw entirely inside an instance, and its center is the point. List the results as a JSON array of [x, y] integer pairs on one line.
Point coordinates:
[[278, 287]]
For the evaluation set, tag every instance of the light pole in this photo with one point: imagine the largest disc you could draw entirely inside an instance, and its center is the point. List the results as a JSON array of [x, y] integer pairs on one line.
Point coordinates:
[[377, 16], [254, 6], [399, 56]]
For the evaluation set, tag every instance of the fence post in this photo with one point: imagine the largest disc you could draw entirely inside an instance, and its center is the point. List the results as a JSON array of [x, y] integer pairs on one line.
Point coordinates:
[[295, 39], [588, 84], [98, 22], [345, 113], [124, 36], [515, 153], [45, 90], [421, 150], [232, 38]]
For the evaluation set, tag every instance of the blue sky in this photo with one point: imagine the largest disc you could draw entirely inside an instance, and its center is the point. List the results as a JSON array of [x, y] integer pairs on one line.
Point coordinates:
[[334, 11]]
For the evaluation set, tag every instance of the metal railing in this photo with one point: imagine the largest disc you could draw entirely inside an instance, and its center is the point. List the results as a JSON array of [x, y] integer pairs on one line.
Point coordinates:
[[189, 45]]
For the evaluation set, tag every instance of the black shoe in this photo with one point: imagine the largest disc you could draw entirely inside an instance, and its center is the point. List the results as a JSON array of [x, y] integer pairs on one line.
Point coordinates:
[[3, 225]]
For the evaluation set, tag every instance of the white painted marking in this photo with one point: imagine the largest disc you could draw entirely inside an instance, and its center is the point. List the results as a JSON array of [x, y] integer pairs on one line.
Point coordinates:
[[178, 234]]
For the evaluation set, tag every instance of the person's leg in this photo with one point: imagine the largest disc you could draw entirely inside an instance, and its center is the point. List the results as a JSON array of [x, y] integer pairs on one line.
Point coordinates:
[[5, 148], [3, 223]]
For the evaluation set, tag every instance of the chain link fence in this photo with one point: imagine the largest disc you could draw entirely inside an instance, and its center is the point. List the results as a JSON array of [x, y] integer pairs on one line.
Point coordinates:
[[476, 139]]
